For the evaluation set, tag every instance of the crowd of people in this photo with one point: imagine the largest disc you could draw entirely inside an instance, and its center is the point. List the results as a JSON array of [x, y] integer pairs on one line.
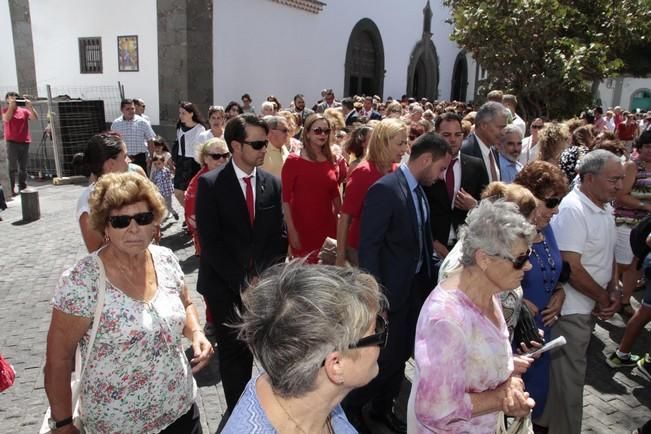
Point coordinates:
[[339, 241]]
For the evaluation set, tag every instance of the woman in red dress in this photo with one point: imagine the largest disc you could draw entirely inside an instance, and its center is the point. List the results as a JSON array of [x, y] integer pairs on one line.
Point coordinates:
[[387, 145], [311, 198]]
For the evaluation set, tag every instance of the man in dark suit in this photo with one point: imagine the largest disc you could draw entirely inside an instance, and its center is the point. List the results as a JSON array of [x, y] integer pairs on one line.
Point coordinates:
[[348, 109], [241, 229], [396, 248], [452, 197], [328, 102], [368, 112], [489, 123]]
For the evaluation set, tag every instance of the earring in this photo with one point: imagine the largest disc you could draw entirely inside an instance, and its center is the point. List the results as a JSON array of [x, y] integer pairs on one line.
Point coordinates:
[[106, 239]]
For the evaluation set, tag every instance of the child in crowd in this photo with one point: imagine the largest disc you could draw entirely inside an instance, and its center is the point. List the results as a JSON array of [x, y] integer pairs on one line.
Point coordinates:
[[162, 177], [160, 148]]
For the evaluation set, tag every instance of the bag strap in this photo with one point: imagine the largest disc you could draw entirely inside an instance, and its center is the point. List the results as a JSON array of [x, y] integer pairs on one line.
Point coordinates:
[[101, 292]]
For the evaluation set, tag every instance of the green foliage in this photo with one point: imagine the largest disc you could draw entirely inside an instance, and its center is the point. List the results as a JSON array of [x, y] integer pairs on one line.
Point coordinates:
[[548, 52]]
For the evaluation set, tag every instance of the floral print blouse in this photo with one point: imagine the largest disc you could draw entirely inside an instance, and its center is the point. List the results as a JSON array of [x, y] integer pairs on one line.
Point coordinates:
[[138, 379], [458, 351]]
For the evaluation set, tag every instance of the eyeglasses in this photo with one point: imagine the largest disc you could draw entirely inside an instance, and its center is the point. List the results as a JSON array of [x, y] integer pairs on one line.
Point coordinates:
[[220, 156], [552, 202], [380, 336], [282, 130], [123, 221], [256, 144], [321, 131], [519, 261], [536, 127]]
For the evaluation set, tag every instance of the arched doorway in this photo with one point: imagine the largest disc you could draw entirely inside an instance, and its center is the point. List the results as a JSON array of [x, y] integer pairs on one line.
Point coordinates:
[[460, 78], [364, 70], [641, 99], [423, 71]]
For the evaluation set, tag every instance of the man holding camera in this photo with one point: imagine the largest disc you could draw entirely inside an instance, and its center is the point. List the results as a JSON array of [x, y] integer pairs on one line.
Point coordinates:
[[15, 118]]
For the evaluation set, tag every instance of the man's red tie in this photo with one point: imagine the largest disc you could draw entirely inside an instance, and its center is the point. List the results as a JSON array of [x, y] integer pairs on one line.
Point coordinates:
[[449, 179], [249, 198]]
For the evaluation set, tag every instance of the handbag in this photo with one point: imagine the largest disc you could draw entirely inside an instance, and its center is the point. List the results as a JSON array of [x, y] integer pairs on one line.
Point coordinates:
[[526, 329], [78, 374], [520, 425], [7, 374]]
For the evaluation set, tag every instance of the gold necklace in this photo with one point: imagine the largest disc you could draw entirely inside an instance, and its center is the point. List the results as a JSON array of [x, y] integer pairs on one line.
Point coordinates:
[[328, 420], [124, 272]]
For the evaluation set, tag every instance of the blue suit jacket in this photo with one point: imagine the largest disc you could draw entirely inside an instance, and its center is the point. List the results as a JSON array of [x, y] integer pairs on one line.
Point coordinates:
[[388, 246]]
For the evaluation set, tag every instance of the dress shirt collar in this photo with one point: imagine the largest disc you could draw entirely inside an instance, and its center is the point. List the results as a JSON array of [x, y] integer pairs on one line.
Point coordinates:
[[239, 173]]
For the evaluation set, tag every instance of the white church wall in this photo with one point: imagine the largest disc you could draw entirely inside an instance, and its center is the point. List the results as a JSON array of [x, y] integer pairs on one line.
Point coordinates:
[[263, 47], [56, 27]]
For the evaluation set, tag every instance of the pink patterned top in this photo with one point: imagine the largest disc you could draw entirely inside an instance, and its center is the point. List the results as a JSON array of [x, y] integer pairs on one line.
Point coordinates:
[[458, 351], [138, 379]]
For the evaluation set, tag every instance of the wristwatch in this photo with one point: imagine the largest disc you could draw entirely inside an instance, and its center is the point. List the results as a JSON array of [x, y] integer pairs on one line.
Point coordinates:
[[54, 425]]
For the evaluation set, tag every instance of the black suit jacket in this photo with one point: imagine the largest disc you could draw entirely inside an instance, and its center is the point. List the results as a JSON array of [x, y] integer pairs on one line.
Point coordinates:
[[352, 118], [471, 147], [232, 250], [388, 247], [473, 181]]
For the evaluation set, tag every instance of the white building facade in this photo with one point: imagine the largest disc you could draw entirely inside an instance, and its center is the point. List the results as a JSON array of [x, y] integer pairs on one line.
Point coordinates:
[[213, 51]]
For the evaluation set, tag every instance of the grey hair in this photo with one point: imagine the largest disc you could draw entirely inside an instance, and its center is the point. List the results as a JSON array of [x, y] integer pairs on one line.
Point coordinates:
[[494, 227], [489, 111], [510, 129], [594, 162], [297, 314], [274, 121]]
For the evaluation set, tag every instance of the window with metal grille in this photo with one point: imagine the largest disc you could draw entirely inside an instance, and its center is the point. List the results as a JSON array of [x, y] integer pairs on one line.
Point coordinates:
[[90, 55]]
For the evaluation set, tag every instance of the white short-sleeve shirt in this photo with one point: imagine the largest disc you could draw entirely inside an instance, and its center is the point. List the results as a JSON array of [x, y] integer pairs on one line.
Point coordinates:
[[583, 227]]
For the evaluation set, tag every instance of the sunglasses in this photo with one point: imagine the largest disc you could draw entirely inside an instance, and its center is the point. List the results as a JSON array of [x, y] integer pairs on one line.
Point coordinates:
[[123, 221], [379, 338], [520, 261], [552, 202], [536, 127], [257, 144], [321, 131], [282, 130], [220, 156]]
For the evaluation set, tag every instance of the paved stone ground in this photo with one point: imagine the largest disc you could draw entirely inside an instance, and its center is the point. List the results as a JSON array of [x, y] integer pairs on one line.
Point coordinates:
[[33, 255]]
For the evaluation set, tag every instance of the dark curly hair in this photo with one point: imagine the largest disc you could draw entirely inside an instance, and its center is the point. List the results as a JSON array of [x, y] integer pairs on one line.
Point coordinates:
[[543, 179]]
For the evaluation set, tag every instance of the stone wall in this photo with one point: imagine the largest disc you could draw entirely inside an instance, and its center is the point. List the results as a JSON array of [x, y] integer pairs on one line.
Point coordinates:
[[185, 65], [21, 24]]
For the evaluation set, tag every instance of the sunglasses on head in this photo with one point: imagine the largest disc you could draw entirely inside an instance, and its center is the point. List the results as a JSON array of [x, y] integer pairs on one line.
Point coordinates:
[[321, 131], [257, 144], [552, 202], [220, 156], [123, 221]]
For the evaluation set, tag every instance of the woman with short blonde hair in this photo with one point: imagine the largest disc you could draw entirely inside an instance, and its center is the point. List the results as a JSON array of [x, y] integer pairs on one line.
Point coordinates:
[[387, 145]]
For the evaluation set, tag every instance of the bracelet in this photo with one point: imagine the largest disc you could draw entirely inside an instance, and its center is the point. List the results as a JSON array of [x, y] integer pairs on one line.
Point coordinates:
[[641, 205], [197, 330]]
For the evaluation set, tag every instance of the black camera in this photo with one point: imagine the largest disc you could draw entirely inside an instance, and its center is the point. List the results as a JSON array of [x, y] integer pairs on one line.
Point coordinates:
[[20, 102]]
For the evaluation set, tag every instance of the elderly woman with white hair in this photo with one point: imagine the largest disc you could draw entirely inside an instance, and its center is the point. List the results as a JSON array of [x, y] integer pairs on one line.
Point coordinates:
[[316, 331], [464, 365]]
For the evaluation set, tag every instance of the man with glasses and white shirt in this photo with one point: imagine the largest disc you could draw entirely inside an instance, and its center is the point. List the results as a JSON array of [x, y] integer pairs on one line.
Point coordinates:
[[585, 232]]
